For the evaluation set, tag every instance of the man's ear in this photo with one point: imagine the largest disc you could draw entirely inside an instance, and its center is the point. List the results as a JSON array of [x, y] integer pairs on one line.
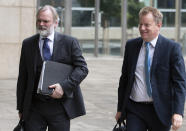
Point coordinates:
[[159, 24], [55, 24]]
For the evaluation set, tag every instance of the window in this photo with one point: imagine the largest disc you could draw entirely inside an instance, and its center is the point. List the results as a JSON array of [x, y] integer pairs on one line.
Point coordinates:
[[183, 19], [168, 19], [166, 4], [81, 18]]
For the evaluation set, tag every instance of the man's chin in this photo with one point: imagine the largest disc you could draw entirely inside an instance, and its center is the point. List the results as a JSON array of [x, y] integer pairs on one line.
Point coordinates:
[[145, 38], [43, 33]]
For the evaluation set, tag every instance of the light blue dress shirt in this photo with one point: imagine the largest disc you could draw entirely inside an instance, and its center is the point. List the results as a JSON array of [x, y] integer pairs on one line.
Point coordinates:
[[139, 90]]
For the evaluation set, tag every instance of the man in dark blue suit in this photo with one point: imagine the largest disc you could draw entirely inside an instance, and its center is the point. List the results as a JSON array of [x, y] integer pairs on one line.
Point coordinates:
[[66, 102], [151, 93]]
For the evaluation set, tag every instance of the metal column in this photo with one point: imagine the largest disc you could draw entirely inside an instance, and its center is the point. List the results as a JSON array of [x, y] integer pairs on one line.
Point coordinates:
[[124, 26], [97, 6], [178, 20], [152, 3], [68, 17], [38, 4]]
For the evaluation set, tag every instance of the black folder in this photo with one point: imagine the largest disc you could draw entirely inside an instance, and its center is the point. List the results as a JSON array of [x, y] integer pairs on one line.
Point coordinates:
[[52, 73]]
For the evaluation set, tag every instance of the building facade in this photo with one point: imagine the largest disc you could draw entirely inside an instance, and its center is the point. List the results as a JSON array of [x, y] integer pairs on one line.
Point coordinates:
[[17, 22]]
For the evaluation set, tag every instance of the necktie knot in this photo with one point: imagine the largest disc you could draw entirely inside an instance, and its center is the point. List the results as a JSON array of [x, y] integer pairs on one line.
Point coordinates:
[[45, 40], [147, 43]]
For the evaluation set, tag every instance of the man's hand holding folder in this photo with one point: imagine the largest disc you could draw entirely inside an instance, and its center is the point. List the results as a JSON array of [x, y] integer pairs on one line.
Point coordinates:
[[52, 74], [57, 92]]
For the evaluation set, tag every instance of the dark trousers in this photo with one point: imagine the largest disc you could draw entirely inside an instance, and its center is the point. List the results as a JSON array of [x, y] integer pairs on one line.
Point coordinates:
[[47, 114], [142, 117]]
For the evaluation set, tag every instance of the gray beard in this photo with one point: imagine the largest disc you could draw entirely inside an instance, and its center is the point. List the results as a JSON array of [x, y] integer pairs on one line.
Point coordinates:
[[47, 32], [44, 33]]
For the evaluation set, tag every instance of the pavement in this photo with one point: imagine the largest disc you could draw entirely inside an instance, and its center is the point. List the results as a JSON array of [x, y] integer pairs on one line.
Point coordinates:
[[99, 91]]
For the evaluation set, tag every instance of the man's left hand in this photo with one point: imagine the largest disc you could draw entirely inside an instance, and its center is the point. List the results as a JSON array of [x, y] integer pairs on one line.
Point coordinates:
[[176, 121], [58, 91]]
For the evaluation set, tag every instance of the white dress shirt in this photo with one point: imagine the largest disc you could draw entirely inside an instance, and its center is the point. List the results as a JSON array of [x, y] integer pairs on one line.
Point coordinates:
[[139, 90], [50, 44]]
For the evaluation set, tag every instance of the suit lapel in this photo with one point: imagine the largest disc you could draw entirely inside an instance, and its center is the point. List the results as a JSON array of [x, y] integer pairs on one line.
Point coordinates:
[[156, 54], [56, 42], [35, 48], [138, 45]]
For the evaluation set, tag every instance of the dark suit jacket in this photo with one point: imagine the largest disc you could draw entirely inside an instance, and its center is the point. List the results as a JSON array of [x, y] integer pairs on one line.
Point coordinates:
[[167, 77], [66, 50]]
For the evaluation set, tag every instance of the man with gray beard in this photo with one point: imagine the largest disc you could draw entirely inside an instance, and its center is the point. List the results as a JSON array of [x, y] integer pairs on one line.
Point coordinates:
[[66, 102]]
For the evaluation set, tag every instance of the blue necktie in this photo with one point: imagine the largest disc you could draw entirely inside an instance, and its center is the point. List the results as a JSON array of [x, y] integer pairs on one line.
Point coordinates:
[[147, 70], [46, 50]]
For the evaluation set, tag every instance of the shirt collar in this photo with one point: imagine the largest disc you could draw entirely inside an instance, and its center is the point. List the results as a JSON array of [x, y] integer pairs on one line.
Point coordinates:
[[153, 42]]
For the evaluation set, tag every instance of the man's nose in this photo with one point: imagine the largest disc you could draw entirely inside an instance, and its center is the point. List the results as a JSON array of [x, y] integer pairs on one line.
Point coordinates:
[[41, 23], [142, 27]]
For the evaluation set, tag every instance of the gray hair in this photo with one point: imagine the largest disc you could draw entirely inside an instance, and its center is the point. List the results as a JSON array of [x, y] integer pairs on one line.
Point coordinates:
[[158, 16], [52, 9]]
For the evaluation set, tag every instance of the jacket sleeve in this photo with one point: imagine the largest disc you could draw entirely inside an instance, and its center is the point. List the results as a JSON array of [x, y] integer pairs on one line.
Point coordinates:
[[22, 80], [178, 77], [80, 70], [123, 81]]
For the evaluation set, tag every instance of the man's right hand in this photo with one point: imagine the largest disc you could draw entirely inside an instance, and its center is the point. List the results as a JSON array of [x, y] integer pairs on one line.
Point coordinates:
[[58, 91], [118, 115]]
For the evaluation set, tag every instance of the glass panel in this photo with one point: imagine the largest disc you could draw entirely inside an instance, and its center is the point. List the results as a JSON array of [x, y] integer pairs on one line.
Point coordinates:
[[166, 4], [183, 4], [109, 16], [83, 3], [183, 15], [81, 18], [168, 19], [55, 3]]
